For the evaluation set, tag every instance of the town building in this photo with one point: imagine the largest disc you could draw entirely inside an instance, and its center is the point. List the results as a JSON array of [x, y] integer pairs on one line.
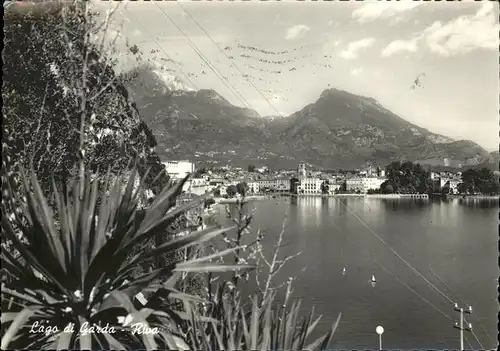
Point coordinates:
[[274, 184], [452, 182], [178, 169], [216, 181], [309, 186], [372, 183], [333, 188], [354, 184], [302, 171], [253, 187], [363, 184], [197, 186]]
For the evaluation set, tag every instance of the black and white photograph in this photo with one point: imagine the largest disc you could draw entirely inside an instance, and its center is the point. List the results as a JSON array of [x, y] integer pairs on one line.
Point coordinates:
[[250, 175]]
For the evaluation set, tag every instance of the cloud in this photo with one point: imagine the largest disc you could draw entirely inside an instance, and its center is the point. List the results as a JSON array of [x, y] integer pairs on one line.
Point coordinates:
[[373, 11], [296, 31], [465, 33], [356, 71], [136, 33], [456, 37], [400, 46], [354, 47]]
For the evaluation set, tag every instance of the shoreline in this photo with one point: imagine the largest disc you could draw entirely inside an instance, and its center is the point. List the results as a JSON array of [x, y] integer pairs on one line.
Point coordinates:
[[373, 196], [474, 197]]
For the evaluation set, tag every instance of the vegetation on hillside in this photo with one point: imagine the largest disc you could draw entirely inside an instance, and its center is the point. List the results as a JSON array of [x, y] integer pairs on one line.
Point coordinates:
[[54, 80]]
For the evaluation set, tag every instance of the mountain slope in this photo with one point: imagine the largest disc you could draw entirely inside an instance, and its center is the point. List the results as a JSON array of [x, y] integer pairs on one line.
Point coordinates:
[[352, 129], [340, 130]]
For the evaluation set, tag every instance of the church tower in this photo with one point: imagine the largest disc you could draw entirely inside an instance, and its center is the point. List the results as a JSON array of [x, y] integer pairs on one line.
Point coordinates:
[[301, 170]]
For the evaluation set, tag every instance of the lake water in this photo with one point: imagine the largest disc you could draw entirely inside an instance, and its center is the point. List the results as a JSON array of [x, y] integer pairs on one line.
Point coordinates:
[[450, 244]]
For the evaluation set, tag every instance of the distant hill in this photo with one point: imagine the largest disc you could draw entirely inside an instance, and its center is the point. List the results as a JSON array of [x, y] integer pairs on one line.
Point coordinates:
[[339, 130]]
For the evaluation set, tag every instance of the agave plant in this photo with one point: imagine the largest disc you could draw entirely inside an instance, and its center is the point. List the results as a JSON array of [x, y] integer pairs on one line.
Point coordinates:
[[72, 285], [267, 325]]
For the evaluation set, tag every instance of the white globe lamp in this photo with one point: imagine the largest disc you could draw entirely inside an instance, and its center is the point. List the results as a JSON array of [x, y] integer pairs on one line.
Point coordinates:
[[380, 331]]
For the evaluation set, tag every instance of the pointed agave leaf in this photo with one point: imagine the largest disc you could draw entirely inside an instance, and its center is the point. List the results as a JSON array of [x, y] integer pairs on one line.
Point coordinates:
[[135, 286], [220, 343], [254, 326], [21, 296], [19, 321], [15, 268], [183, 242], [102, 222], [63, 340], [212, 268], [265, 345], [37, 198], [113, 343], [160, 206], [89, 222], [65, 231], [27, 253], [211, 257], [85, 339], [18, 245], [8, 316], [246, 331], [324, 340]]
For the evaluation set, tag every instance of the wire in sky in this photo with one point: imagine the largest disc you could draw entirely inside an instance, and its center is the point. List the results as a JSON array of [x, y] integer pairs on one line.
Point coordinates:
[[234, 64], [207, 62], [164, 52]]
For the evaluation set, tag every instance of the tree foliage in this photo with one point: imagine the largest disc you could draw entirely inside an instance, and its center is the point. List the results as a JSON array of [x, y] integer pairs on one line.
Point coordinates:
[[54, 76], [325, 187], [242, 188], [406, 178], [481, 181], [231, 190]]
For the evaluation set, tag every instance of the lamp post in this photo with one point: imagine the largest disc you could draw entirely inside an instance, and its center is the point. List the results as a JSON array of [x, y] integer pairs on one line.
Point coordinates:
[[380, 331]]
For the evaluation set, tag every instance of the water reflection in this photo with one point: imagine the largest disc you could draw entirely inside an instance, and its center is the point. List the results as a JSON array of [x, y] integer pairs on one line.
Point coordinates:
[[405, 204], [457, 238], [479, 203]]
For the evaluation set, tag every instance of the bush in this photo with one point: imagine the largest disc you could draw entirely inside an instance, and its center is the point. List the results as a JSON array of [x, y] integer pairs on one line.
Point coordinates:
[[80, 272]]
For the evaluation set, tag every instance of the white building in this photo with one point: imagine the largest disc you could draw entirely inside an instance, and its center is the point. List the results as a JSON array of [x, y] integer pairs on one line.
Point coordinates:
[[178, 169], [309, 186], [333, 187], [453, 184], [372, 183], [354, 184], [253, 187], [363, 184], [274, 184], [198, 186]]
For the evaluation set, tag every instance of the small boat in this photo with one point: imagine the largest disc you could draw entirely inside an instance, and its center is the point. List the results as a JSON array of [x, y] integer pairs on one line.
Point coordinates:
[[373, 279], [343, 271]]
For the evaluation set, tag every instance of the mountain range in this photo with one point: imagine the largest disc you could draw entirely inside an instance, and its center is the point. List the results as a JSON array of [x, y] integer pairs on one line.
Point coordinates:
[[339, 130]]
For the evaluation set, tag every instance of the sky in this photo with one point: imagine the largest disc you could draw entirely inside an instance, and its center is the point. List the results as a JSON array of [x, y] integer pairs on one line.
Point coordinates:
[[277, 57]]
